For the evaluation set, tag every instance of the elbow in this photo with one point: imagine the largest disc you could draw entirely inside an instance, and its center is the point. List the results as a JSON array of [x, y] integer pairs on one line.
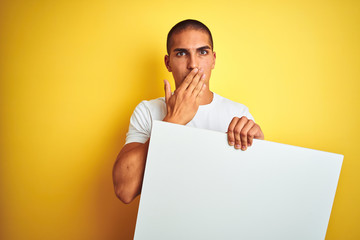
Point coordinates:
[[125, 197]]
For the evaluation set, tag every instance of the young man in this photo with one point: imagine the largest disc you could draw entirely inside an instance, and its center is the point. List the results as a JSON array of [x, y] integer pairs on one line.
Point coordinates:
[[190, 59]]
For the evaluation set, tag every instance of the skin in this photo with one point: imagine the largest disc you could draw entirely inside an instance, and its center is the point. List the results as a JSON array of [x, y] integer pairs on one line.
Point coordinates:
[[190, 60]]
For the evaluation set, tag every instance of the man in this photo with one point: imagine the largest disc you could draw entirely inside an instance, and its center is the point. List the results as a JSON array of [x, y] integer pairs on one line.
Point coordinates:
[[190, 59]]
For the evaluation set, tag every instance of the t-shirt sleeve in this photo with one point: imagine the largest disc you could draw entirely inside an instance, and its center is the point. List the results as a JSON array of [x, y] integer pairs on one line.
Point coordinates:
[[140, 124], [248, 114]]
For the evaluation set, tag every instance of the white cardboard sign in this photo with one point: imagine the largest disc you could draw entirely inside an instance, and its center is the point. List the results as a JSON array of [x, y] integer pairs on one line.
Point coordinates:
[[198, 187]]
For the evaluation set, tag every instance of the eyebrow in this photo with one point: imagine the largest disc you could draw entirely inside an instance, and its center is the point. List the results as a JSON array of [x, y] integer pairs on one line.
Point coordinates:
[[186, 50], [180, 50], [203, 48]]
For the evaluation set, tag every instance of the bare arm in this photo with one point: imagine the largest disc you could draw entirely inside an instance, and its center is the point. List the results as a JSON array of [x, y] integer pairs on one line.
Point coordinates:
[[128, 171]]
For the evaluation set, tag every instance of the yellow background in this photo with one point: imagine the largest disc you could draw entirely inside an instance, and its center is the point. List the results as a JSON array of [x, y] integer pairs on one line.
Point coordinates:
[[72, 72]]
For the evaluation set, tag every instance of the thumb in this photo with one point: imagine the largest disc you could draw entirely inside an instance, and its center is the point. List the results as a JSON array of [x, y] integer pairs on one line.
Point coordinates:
[[167, 89]]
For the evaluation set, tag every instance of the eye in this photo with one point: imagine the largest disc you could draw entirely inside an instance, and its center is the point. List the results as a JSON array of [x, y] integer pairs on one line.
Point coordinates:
[[203, 52], [179, 54]]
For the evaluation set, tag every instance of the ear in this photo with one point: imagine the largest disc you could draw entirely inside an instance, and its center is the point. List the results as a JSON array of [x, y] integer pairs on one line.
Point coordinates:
[[167, 62], [214, 57]]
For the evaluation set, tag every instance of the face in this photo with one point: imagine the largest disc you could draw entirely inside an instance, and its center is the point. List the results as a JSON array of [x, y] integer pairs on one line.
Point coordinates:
[[190, 49]]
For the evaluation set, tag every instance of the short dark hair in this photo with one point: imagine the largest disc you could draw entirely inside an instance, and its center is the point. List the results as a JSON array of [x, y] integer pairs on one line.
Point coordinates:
[[188, 24]]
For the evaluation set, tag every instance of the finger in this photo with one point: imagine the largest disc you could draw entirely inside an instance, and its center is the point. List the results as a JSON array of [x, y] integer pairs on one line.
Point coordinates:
[[200, 85], [201, 93], [244, 134], [188, 79], [258, 134], [230, 132], [251, 134], [167, 89], [195, 81], [239, 140]]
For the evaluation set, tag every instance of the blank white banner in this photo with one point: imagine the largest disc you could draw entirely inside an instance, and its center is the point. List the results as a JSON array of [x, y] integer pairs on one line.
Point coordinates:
[[198, 187]]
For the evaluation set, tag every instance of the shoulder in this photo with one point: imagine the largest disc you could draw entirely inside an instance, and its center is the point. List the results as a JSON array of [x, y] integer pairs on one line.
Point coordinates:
[[154, 109], [154, 104]]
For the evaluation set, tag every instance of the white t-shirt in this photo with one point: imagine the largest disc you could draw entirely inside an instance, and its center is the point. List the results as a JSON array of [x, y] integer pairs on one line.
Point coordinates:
[[216, 116]]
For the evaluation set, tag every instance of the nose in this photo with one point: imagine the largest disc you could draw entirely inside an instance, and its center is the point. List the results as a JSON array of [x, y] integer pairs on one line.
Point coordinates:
[[192, 62]]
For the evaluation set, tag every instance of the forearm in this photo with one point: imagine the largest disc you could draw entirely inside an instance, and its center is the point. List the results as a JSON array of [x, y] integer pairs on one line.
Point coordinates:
[[128, 171]]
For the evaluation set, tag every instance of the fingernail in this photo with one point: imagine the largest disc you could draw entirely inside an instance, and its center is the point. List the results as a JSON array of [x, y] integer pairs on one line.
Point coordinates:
[[249, 145], [243, 147], [196, 69], [203, 76], [231, 143], [237, 146]]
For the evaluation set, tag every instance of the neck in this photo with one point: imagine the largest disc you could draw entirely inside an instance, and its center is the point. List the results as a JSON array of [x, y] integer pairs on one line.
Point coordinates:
[[207, 97]]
